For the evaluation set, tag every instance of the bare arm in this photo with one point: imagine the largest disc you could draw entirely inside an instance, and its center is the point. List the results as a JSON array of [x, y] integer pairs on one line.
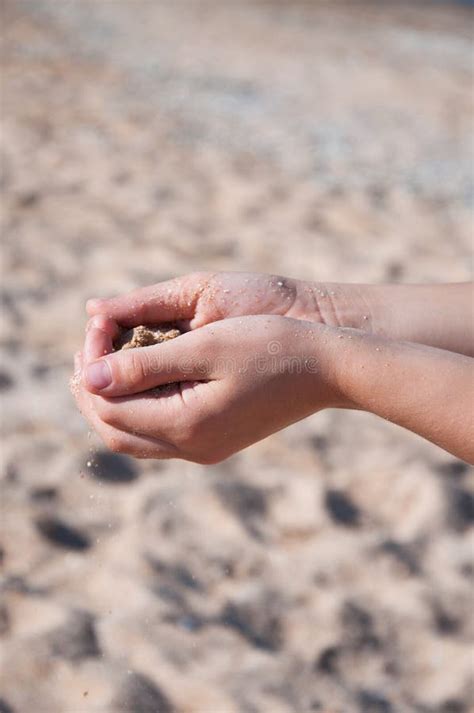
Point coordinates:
[[235, 383], [426, 390], [404, 351], [436, 315]]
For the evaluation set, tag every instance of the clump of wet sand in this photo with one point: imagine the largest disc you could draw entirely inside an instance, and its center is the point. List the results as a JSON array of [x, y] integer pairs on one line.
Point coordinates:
[[145, 336]]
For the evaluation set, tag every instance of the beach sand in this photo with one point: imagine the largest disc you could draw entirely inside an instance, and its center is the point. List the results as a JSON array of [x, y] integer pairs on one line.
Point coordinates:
[[328, 568]]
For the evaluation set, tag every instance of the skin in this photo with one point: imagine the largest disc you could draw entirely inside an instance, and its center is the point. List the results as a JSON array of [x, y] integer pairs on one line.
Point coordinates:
[[262, 352], [435, 315]]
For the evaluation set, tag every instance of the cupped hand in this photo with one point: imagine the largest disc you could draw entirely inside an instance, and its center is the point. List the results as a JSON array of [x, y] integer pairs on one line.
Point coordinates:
[[203, 297], [230, 384]]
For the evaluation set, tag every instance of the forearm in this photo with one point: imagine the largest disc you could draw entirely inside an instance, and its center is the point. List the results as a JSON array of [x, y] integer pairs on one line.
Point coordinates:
[[440, 316], [426, 390]]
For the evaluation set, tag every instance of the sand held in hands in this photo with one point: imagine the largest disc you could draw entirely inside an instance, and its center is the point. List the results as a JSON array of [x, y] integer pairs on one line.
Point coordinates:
[[145, 336]]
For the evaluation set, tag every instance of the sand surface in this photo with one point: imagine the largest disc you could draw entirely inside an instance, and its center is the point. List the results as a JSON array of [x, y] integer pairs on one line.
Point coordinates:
[[328, 568]]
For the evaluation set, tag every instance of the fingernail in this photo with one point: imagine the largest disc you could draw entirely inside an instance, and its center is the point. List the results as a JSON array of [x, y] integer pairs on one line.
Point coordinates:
[[98, 374]]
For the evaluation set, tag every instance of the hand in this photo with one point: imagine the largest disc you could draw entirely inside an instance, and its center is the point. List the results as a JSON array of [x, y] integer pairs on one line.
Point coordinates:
[[200, 298], [436, 315], [233, 383]]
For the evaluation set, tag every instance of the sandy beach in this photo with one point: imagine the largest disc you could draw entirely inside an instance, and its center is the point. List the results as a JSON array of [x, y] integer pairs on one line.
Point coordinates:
[[329, 568]]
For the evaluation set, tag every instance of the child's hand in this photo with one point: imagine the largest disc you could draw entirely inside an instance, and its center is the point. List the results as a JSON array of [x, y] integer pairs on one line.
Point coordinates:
[[435, 315], [239, 380], [231, 394], [200, 298]]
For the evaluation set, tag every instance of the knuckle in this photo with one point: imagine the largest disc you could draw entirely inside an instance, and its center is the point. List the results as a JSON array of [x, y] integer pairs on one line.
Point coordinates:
[[106, 436], [117, 444], [194, 283], [107, 412]]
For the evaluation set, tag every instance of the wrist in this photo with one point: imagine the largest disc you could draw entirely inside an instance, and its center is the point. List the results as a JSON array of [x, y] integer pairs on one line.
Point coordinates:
[[340, 305], [323, 356], [360, 361]]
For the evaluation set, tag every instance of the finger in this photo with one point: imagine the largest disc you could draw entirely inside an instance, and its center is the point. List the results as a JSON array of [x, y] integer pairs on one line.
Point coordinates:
[[164, 302], [106, 324], [161, 413], [139, 446], [131, 371], [97, 343]]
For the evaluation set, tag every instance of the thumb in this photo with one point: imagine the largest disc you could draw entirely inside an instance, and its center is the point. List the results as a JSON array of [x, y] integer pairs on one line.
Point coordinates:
[[131, 371]]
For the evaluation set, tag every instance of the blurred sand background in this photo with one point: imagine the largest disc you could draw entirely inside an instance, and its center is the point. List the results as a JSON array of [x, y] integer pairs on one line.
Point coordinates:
[[328, 568]]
